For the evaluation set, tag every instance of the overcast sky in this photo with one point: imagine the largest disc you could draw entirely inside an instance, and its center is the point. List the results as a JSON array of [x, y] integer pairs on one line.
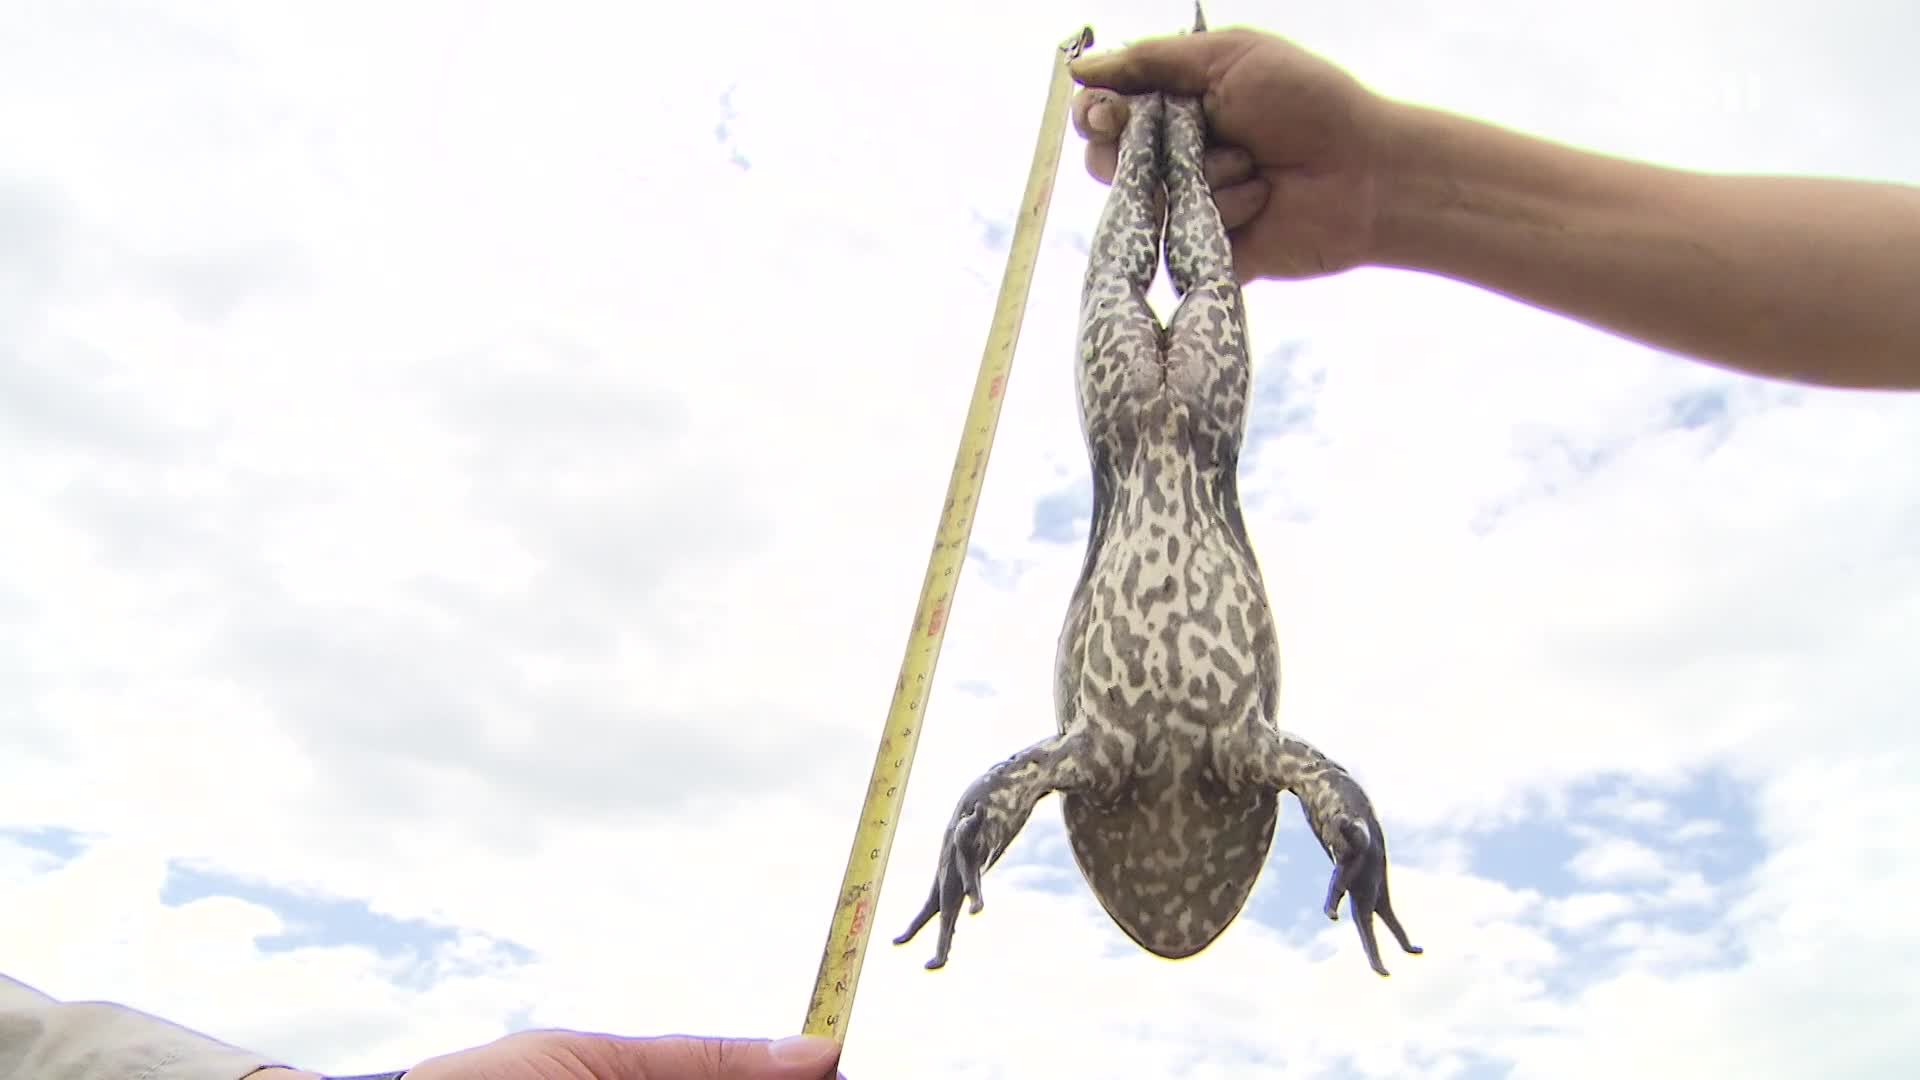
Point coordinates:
[[466, 471]]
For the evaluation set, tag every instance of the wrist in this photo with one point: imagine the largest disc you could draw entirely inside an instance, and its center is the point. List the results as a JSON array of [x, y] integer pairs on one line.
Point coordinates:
[[1416, 184]]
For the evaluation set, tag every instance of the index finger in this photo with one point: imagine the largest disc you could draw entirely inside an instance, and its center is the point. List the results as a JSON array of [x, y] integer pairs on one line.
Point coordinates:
[[1179, 64]]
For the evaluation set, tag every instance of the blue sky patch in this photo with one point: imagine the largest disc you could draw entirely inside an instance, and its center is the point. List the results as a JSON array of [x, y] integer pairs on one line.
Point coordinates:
[[1699, 408], [324, 921], [1282, 399], [995, 233], [723, 130], [310, 920], [1631, 866], [1706, 824], [1063, 516], [62, 844], [995, 571]]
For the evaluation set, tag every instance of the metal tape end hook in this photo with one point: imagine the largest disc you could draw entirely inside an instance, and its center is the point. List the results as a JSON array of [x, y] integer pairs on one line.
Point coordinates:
[[1078, 44]]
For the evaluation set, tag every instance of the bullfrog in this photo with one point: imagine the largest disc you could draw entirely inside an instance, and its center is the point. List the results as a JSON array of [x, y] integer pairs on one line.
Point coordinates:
[[1167, 757]]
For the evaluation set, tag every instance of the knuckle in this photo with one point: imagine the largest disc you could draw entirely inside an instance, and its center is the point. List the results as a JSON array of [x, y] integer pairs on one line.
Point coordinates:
[[722, 1054]]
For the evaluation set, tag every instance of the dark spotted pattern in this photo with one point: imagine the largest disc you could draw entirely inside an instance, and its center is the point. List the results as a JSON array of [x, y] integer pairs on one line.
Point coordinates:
[[1167, 760]]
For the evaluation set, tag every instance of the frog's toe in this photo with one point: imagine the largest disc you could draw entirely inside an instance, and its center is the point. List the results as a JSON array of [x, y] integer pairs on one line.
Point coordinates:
[[956, 882], [942, 900], [1363, 920], [1362, 874], [1385, 911], [927, 912], [1331, 907], [950, 889]]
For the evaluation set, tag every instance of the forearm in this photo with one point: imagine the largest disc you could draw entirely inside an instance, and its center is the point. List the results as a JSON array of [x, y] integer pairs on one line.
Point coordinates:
[[1811, 280], [45, 1039]]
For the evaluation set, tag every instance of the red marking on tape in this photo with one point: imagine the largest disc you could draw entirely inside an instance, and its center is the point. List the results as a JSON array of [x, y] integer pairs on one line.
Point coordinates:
[[938, 619], [999, 384]]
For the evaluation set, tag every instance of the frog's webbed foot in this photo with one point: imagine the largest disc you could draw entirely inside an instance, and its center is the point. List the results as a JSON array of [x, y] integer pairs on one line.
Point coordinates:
[[1342, 819], [990, 814], [1358, 849]]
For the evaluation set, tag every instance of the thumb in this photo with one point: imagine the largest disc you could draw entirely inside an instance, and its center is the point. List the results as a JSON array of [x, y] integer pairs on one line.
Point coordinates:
[[686, 1057], [1183, 65]]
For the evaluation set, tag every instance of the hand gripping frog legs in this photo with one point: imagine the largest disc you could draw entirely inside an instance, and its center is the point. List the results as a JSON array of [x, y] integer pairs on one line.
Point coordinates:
[[1167, 760]]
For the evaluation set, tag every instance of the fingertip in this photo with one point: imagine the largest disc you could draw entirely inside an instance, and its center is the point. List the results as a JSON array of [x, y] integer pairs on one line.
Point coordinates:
[[1225, 166], [814, 1050], [1103, 158], [1098, 115], [1239, 204]]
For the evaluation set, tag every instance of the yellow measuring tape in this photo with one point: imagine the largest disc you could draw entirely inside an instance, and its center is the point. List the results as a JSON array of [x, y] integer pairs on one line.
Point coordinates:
[[832, 1004]]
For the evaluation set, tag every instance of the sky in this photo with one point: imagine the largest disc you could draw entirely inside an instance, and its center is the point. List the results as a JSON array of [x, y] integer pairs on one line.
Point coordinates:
[[467, 471]]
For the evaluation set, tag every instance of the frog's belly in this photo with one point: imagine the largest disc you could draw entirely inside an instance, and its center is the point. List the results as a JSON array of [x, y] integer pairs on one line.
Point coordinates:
[[1174, 858], [1171, 643]]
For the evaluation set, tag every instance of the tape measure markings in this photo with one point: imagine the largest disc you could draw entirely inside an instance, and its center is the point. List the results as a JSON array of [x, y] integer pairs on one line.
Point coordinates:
[[833, 992]]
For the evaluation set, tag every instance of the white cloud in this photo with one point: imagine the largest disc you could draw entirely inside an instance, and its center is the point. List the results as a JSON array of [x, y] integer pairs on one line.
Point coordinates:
[[437, 475], [1582, 911], [1614, 859]]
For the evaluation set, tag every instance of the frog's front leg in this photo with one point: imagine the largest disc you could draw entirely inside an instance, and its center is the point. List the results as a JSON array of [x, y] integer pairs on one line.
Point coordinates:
[[990, 814], [1341, 817], [1349, 832]]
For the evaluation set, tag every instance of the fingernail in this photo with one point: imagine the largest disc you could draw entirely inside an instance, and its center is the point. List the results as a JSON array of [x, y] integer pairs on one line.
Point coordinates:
[[803, 1050], [1100, 118]]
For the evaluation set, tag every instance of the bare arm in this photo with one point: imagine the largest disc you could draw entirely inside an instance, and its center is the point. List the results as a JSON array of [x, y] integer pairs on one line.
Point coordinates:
[[1812, 280]]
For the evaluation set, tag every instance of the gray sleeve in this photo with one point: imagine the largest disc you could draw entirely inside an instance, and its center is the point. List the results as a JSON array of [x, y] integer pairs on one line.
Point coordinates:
[[44, 1039]]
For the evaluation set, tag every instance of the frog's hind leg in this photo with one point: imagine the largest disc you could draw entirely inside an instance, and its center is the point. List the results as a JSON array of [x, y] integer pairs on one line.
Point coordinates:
[[1198, 251], [1199, 255], [1126, 241], [1120, 338], [1207, 349], [990, 814]]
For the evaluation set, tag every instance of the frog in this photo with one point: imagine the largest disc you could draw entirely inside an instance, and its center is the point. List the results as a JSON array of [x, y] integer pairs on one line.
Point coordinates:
[[1166, 756]]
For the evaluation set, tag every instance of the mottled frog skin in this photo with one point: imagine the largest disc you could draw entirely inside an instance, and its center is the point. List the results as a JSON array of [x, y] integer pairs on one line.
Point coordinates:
[[1167, 759]]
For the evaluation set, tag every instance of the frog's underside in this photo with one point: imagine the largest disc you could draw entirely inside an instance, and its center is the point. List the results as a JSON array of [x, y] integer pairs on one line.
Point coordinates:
[[1167, 759]]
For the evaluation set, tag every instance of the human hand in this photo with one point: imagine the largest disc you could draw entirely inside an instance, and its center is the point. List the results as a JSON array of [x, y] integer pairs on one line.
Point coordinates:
[[1292, 141], [572, 1055]]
